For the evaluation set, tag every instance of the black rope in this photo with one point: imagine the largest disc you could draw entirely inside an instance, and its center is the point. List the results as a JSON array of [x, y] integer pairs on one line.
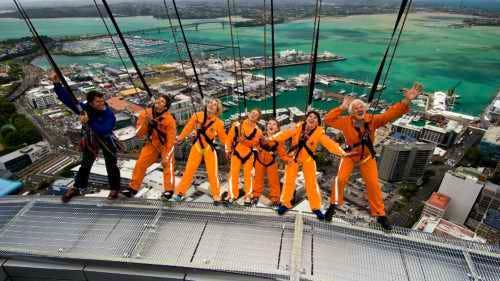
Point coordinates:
[[384, 58], [58, 72], [314, 59], [241, 65], [114, 44], [233, 49], [386, 75], [125, 45], [178, 50], [265, 54], [273, 47], [187, 49]]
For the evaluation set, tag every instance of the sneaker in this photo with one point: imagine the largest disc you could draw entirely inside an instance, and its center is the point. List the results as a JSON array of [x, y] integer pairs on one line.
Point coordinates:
[[178, 198], [248, 202], [228, 202], [129, 192], [255, 201], [319, 215], [113, 194], [330, 212], [282, 209], [167, 195], [384, 223], [70, 193]]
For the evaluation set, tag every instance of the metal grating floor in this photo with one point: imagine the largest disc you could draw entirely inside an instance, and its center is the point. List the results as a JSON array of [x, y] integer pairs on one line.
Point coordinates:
[[244, 241]]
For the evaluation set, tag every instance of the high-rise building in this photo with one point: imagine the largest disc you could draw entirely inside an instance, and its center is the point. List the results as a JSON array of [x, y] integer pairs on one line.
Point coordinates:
[[484, 216], [463, 190], [490, 144], [404, 162]]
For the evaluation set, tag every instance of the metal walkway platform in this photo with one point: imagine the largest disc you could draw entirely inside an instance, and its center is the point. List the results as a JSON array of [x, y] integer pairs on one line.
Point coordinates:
[[95, 239]]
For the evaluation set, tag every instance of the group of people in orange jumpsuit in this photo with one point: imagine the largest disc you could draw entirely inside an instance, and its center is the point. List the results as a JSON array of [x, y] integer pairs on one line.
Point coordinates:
[[256, 152]]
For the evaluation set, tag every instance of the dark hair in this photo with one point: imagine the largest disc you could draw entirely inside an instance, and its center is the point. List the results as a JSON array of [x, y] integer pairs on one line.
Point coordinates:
[[274, 120], [92, 95], [167, 100], [315, 113]]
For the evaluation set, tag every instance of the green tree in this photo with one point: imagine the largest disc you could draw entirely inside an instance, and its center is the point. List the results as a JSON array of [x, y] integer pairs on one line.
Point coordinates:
[[15, 71]]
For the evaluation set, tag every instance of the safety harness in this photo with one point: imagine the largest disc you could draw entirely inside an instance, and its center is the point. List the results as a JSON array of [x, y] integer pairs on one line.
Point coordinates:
[[304, 138], [237, 130], [161, 135], [269, 148], [365, 140], [201, 132]]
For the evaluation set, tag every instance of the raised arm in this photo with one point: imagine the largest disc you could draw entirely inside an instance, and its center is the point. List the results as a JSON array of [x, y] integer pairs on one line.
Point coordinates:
[[334, 117], [398, 109]]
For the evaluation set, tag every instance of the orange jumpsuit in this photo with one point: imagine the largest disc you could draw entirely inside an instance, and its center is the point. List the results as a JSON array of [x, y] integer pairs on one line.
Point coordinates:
[[367, 164], [265, 163], [203, 148], [303, 149], [160, 144], [241, 141]]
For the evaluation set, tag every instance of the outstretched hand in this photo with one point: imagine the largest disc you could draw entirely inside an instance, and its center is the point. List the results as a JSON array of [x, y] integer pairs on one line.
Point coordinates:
[[346, 102], [412, 93], [54, 77]]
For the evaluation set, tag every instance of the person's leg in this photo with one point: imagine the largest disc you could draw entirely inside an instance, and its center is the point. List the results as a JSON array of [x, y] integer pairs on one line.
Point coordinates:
[[234, 175], [149, 155], [340, 181], [258, 183], [168, 163], [273, 182], [111, 161], [248, 173], [212, 166], [82, 176], [192, 164], [289, 184], [369, 172], [311, 184]]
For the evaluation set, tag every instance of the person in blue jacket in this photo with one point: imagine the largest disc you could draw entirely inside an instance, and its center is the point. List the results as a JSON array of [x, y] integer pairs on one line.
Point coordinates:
[[98, 120]]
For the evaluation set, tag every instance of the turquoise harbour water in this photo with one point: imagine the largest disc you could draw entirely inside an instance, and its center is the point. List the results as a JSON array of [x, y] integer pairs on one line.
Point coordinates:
[[430, 52]]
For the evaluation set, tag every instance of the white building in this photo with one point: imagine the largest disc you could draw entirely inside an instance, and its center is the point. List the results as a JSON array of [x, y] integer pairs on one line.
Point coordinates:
[[463, 190], [41, 97], [22, 158]]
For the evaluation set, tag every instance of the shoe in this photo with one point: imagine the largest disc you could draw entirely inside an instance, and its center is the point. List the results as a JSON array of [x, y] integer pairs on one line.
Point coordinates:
[[255, 201], [228, 202], [384, 223], [319, 215], [217, 203], [248, 202], [178, 198], [282, 209], [128, 192], [330, 212], [70, 193], [113, 194], [167, 195]]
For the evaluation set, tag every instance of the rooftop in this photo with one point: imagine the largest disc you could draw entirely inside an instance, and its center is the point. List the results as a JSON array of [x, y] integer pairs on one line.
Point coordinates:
[[91, 238], [438, 200], [492, 135], [119, 104]]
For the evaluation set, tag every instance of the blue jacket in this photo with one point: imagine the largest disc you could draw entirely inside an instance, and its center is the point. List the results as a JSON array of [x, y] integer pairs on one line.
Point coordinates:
[[101, 122]]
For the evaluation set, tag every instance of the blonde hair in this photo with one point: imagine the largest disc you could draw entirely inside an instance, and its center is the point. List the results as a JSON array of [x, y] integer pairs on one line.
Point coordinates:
[[364, 104], [219, 104]]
